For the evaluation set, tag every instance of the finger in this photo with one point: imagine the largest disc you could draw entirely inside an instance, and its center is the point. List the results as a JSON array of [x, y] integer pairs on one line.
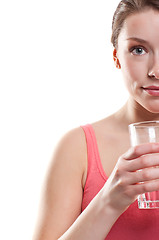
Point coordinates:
[[147, 174], [145, 187], [144, 161], [140, 150]]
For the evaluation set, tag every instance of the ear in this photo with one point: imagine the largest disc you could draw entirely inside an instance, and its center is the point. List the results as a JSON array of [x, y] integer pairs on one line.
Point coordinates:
[[116, 60]]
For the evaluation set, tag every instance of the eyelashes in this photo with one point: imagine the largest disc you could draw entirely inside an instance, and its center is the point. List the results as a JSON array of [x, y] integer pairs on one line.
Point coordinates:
[[138, 50]]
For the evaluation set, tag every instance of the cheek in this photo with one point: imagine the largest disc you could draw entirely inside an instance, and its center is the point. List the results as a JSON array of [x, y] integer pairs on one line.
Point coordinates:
[[134, 71], [132, 76]]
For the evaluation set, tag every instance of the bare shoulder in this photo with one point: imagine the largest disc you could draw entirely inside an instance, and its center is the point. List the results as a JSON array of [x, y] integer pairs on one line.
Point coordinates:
[[71, 151], [112, 140], [73, 140], [63, 188], [106, 132], [69, 161], [113, 125], [106, 126]]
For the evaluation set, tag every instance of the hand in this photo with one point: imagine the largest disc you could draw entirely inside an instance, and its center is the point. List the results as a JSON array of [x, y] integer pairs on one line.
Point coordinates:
[[135, 173]]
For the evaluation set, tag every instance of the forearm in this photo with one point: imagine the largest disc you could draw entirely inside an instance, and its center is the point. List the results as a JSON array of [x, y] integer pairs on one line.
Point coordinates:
[[94, 223]]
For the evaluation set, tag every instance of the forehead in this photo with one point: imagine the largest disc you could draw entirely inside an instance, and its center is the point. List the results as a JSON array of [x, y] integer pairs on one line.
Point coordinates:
[[143, 25]]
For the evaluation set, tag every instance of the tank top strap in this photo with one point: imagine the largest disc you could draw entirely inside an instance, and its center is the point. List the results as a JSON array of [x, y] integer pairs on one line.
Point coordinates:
[[94, 161]]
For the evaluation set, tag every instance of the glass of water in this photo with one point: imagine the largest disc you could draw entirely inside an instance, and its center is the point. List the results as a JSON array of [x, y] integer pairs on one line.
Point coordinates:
[[144, 132]]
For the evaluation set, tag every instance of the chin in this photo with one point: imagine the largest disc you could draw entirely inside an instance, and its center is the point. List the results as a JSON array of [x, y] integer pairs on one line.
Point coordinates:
[[153, 108], [147, 107]]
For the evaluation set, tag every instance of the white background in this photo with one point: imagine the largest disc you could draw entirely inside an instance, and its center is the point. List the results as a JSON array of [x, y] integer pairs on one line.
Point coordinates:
[[56, 73]]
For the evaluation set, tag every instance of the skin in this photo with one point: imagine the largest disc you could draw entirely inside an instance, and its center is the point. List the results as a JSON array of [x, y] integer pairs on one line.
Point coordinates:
[[61, 216], [138, 68]]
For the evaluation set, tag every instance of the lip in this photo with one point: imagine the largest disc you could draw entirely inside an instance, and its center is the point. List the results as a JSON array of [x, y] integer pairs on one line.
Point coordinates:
[[152, 90]]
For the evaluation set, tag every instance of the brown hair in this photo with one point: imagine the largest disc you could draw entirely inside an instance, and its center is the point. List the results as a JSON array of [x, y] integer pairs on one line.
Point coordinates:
[[125, 9]]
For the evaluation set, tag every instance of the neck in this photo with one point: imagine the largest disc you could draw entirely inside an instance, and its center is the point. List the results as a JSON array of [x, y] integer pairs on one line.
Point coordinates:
[[133, 112]]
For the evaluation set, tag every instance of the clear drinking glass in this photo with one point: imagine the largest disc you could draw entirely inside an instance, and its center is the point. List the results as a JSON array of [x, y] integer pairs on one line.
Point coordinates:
[[144, 132]]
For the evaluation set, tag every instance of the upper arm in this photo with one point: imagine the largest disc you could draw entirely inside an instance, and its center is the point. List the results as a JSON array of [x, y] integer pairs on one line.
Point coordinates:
[[63, 190]]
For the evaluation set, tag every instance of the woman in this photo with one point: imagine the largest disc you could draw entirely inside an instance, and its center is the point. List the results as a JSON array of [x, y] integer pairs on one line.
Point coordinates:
[[92, 185]]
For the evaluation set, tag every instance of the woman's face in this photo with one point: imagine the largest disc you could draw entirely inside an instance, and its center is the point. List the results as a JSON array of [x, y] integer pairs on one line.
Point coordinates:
[[138, 54]]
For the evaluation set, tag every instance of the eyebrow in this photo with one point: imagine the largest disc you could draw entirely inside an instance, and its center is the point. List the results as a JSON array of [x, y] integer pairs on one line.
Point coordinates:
[[137, 39]]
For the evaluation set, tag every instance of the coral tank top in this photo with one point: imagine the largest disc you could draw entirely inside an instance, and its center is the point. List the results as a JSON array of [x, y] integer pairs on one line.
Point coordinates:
[[134, 223]]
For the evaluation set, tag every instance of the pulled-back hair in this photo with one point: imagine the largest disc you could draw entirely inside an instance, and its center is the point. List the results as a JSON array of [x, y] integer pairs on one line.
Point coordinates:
[[125, 9]]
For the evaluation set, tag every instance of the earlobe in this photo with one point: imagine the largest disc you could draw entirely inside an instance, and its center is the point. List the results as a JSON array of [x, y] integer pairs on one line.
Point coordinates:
[[116, 60]]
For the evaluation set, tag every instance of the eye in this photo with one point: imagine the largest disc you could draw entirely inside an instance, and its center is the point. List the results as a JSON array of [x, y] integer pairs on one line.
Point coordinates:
[[138, 50]]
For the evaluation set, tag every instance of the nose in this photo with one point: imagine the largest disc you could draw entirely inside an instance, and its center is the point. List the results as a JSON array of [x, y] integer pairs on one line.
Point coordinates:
[[154, 74], [154, 71]]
